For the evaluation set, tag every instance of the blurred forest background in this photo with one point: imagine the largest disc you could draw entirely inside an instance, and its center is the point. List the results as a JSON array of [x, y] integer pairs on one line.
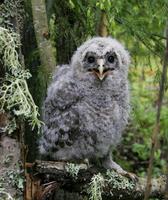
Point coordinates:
[[139, 25]]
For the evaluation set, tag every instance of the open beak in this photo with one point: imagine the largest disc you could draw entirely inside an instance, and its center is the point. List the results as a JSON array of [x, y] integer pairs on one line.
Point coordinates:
[[100, 72]]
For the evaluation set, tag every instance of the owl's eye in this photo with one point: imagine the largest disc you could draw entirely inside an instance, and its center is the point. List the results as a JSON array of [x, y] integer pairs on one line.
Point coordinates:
[[110, 59], [91, 59]]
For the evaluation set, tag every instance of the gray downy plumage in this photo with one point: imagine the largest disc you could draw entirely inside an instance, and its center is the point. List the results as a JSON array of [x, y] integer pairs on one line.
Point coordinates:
[[85, 116]]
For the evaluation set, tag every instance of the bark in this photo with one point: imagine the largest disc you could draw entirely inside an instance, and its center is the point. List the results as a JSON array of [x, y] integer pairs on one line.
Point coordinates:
[[48, 178], [9, 157], [47, 58], [37, 45]]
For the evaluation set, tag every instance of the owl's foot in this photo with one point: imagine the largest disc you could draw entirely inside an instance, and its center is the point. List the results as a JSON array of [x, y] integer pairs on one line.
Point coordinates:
[[86, 161], [110, 164], [130, 175]]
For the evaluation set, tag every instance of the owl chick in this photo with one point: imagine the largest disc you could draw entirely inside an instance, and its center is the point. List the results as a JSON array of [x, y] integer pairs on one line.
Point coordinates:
[[87, 104]]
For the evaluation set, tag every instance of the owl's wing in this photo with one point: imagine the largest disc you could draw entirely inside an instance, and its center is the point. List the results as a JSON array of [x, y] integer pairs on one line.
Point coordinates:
[[61, 70], [60, 112]]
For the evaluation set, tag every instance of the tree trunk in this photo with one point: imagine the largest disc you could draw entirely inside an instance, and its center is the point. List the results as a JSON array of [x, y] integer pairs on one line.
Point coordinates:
[[103, 24], [47, 58], [37, 45]]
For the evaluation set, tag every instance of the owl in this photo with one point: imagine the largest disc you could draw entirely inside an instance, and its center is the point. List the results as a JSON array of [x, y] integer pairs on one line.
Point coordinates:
[[87, 104]]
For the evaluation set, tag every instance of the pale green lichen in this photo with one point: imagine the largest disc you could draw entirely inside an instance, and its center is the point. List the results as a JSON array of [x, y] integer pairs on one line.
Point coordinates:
[[11, 178], [112, 179], [14, 93], [16, 179], [118, 182], [10, 127], [96, 187], [9, 42], [72, 169]]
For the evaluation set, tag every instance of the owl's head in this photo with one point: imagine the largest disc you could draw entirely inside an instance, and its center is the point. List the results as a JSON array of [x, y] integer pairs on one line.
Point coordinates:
[[101, 57]]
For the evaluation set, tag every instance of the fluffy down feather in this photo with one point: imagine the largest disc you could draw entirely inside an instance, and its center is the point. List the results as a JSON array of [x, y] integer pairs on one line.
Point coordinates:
[[84, 116]]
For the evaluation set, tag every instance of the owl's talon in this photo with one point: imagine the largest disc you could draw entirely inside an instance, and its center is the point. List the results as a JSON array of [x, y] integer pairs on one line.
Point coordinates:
[[86, 161], [131, 176]]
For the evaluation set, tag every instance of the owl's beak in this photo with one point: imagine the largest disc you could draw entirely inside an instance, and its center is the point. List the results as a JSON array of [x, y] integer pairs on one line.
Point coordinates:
[[100, 72]]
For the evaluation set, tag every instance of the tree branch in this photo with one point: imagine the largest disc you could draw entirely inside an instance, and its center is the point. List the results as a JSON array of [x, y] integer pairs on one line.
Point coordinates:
[[55, 174]]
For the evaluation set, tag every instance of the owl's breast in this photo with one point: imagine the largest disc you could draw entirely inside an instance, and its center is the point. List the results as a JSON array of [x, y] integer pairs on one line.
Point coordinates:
[[100, 120], [99, 127], [98, 108]]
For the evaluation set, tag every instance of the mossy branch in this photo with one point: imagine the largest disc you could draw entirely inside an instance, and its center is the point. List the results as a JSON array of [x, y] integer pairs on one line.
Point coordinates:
[[95, 183]]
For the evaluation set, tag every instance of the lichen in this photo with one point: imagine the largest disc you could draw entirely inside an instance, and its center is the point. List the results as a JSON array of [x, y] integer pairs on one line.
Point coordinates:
[[116, 181], [96, 187], [72, 169], [11, 11], [15, 97], [5, 195], [11, 178], [112, 180]]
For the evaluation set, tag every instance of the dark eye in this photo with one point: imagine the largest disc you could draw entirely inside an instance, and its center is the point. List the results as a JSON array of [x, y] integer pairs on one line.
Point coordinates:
[[111, 59], [91, 59]]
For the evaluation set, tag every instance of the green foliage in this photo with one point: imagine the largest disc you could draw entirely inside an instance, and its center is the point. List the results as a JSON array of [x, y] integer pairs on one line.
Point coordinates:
[[137, 140], [143, 36], [144, 102], [15, 96]]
